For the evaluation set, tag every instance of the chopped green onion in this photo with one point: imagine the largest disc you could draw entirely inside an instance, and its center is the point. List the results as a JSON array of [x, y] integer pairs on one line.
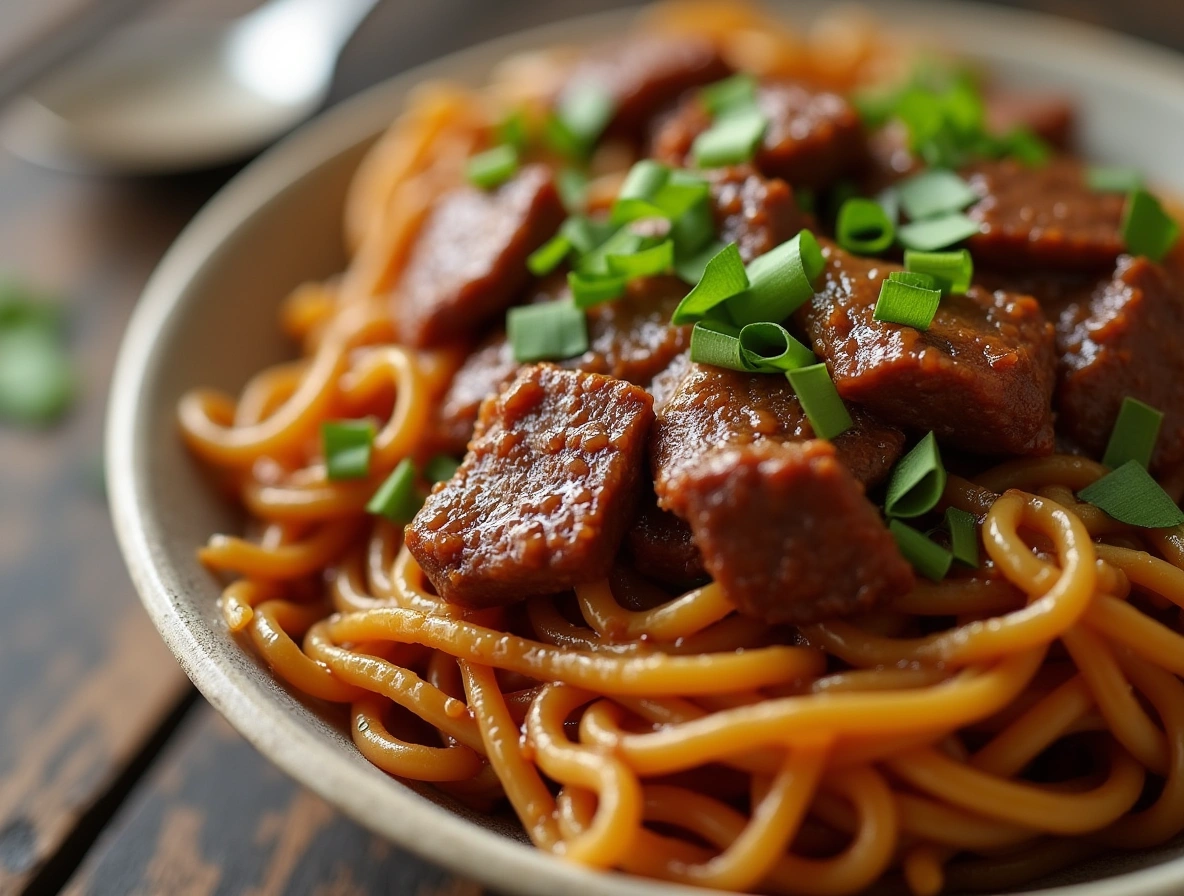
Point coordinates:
[[863, 227], [718, 344], [644, 180], [584, 112], [649, 262], [723, 277], [937, 233], [926, 556], [780, 281], [963, 535], [1134, 434], [441, 468], [820, 400], [1022, 144], [690, 267], [695, 228], [549, 255], [903, 303], [346, 445], [934, 192], [917, 481], [572, 184], [36, 382], [1112, 179], [651, 190], [398, 499], [953, 271], [925, 281], [584, 234], [732, 138], [512, 130], [593, 289], [738, 90], [1147, 229], [1131, 496], [624, 242], [769, 347], [546, 332], [493, 167]]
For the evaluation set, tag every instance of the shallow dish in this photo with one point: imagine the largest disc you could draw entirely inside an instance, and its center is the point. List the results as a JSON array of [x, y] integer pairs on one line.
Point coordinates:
[[208, 317]]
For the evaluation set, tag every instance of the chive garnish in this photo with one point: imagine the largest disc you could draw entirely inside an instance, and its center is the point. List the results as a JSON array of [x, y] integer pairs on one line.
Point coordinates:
[[934, 192], [723, 277], [593, 289], [963, 536], [1112, 179], [1131, 496], [1147, 229], [398, 499], [441, 468], [732, 138], [926, 556], [346, 445], [493, 167], [917, 481], [937, 233], [904, 303], [780, 281], [952, 271], [546, 332], [1134, 434], [820, 400], [863, 227]]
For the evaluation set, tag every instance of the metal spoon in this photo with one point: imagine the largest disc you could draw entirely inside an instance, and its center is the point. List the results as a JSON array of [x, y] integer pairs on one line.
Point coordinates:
[[163, 97]]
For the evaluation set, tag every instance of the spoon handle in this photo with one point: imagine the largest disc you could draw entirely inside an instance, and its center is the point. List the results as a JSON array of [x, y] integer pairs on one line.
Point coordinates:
[[334, 20]]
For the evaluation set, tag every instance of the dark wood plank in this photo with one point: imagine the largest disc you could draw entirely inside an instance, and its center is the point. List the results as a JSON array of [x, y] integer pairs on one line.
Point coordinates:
[[214, 817]]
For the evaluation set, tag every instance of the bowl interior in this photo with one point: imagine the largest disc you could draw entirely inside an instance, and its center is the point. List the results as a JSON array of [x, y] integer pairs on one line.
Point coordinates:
[[209, 317]]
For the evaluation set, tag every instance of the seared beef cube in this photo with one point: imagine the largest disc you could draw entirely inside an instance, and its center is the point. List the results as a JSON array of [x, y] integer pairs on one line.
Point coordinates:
[[712, 407], [755, 213], [1123, 339], [469, 260], [786, 532], [1043, 217], [484, 372], [812, 139], [1050, 116], [542, 499], [662, 548], [643, 74], [981, 377]]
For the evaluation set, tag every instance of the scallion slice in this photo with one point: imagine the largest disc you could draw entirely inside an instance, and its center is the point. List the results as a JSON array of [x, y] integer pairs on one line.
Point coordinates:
[[913, 278], [1134, 434], [963, 536], [572, 184], [649, 262], [903, 303], [584, 112], [769, 347], [1131, 496], [732, 138], [1147, 229], [493, 167], [441, 468], [36, 380], [953, 271], [933, 192], [926, 557], [937, 233], [398, 499], [584, 234], [723, 277], [718, 344], [588, 290], [549, 255], [917, 481], [780, 281], [863, 227], [546, 332], [1022, 144], [820, 400], [346, 445], [624, 242], [1112, 179], [738, 90], [512, 130], [690, 267]]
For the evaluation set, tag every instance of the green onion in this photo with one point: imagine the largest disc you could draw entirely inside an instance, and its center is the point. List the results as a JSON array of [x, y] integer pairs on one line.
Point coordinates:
[[1112, 179], [769, 347], [937, 233], [953, 271], [695, 228], [917, 481], [36, 382], [934, 192], [635, 199], [346, 445], [780, 281], [820, 400], [593, 289], [649, 262], [546, 332], [690, 268], [732, 138], [863, 227], [912, 278], [549, 255], [963, 535], [398, 499], [584, 234], [718, 344], [903, 303], [926, 557], [512, 130], [1147, 229], [441, 468], [1134, 434], [1022, 144], [584, 112], [1131, 496], [723, 277], [624, 242], [572, 184], [738, 90], [493, 167]]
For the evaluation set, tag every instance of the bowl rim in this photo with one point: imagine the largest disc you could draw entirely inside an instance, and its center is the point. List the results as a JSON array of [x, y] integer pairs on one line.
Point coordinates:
[[399, 814]]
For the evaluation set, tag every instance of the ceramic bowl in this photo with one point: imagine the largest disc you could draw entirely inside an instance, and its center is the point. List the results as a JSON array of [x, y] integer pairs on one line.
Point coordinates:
[[209, 316]]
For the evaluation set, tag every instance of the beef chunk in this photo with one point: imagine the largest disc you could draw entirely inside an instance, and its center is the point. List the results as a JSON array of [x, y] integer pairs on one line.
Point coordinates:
[[662, 548], [712, 407], [484, 372], [1043, 217], [981, 377], [1122, 339], [1050, 116], [643, 74], [469, 260], [544, 494], [755, 213], [786, 532], [812, 139]]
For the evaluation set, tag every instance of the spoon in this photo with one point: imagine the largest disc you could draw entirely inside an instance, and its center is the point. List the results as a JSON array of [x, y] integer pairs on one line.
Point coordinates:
[[162, 97]]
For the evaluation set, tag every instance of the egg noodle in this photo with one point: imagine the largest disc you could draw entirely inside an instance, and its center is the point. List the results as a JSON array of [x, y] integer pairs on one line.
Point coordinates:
[[982, 732]]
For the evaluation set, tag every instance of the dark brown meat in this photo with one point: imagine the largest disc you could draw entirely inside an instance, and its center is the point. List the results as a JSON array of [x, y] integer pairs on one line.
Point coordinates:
[[484, 372], [1123, 339], [662, 548], [544, 494], [469, 260], [812, 140], [712, 407], [755, 213], [981, 377], [1050, 116], [786, 532], [1043, 217], [643, 74]]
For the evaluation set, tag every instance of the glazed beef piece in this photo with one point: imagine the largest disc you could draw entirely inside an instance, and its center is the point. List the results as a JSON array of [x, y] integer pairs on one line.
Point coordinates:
[[981, 377], [1043, 217], [484, 372], [711, 407], [644, 74], [662, 548], [1122, 338], [1050, 116], [754, 212], [786, 532], [469, 259], [812, 140], [544, 494]]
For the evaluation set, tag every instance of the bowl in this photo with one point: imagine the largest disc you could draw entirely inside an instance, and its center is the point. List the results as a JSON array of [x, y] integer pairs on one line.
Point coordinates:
[[209, 316]]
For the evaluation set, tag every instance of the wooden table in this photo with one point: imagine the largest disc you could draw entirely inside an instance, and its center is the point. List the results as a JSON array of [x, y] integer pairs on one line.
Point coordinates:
[[114, 777]]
